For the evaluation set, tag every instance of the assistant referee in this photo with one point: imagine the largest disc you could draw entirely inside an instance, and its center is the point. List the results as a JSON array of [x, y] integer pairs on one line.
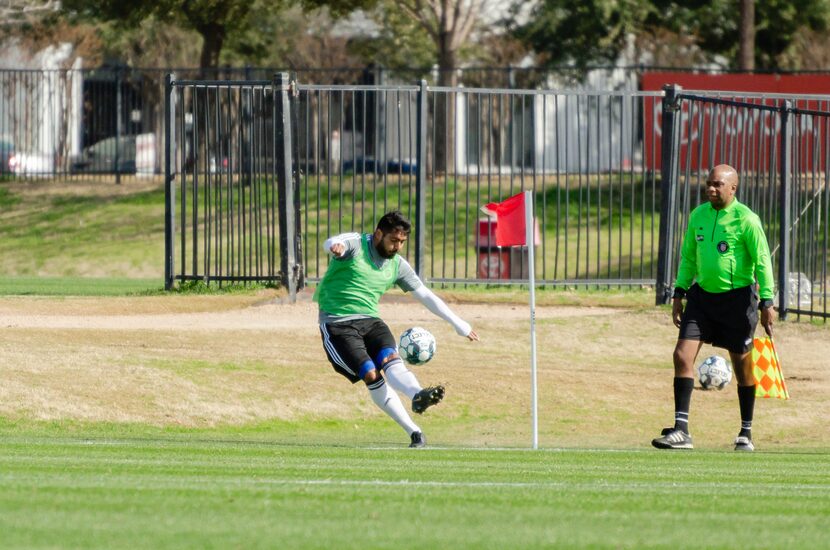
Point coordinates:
[[724, 254]]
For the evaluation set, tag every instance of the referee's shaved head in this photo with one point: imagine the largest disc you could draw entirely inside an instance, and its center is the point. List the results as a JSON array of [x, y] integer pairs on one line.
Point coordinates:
[[721, 185], [724, 173]]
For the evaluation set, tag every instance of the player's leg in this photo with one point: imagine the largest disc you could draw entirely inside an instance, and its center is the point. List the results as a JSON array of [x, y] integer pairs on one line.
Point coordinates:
[[382, 345], [346, 351]]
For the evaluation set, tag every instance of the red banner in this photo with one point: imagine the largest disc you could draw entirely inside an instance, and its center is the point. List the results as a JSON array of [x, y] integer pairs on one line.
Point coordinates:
[[711, 134]]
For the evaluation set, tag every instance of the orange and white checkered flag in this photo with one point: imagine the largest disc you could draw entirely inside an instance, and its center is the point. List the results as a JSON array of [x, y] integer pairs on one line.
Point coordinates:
[[766, 366]]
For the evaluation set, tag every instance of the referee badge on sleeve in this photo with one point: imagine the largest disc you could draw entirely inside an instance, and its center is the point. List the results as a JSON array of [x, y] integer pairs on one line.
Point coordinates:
[[723, 246]]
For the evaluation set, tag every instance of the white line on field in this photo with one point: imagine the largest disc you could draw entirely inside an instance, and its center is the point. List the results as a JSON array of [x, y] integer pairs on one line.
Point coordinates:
[[540, 485]]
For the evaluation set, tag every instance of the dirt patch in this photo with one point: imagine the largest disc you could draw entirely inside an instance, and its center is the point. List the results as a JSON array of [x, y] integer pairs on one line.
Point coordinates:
[[236, 359]]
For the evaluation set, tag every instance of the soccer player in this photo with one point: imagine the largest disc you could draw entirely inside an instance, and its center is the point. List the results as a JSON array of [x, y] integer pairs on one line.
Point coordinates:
[[358, 343], [724, 252]]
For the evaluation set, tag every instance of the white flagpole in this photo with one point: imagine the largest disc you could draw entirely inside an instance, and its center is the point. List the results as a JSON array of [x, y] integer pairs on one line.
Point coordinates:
[[529, 242]]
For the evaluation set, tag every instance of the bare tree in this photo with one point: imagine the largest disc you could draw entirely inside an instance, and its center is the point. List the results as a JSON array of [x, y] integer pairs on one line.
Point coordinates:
[[450, 24]]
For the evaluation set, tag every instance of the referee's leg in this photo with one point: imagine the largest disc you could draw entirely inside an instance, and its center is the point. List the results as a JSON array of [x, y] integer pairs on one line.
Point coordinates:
[[742, 365], [685, 353]]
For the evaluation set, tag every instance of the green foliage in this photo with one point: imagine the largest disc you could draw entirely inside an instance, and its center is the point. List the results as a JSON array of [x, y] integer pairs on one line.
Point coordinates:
[[256, 32], [777, 22], [401, 42], [339, 7], [595, 31], [592, 31]]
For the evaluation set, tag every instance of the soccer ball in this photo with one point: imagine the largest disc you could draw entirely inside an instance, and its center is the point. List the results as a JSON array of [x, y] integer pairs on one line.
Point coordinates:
[[417, 345], [714, 373]]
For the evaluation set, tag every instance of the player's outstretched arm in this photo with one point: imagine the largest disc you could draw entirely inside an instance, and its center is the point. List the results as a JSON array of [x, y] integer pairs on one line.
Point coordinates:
[[341, 245], [437, 306]]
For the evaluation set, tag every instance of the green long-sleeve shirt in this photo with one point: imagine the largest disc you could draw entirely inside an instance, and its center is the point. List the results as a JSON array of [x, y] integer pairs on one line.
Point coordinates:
[[725, 249]]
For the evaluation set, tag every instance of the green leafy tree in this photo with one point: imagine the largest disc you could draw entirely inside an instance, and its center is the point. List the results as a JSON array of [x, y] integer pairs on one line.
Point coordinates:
[[585, 32], [596, 31], [400, 40], [217, 22], [778, 23], [213, 20]]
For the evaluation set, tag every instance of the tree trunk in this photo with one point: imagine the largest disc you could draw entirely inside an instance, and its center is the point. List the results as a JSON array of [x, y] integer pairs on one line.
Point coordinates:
[[746, 52], [445, 116], [213, 37]]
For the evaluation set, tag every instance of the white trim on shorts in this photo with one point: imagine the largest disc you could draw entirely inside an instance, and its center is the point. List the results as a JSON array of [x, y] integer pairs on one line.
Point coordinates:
[[332, 351]]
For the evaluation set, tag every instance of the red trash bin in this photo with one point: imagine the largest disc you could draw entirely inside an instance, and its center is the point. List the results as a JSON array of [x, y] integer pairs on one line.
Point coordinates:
[[493, 261], [496, 262]]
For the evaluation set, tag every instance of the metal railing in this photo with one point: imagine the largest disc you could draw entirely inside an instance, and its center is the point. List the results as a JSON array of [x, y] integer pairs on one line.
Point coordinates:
[[614, 176], [580, 152], [780, 146]]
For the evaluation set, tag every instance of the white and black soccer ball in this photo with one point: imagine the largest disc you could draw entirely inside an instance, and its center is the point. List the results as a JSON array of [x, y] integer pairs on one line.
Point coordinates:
[[416, 345], [714, 373]]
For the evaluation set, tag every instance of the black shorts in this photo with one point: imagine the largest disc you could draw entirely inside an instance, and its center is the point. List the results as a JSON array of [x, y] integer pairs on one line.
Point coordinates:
[[349, 344], [725, 320]]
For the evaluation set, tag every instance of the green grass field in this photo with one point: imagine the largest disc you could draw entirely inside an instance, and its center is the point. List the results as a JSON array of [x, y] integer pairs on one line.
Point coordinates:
[[134, 418], [218, 490]]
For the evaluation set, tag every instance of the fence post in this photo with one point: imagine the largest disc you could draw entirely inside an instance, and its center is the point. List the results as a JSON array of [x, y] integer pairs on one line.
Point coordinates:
[[668, 188], [785, 203], [285, 183], [118, 130], [169, 174], [380, 118], [420, 180]]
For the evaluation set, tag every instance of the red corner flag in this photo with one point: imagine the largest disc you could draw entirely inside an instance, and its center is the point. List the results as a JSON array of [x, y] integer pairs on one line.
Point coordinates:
[[510, 228]]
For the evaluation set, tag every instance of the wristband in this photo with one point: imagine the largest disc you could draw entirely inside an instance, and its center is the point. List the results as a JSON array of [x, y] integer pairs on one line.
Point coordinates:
[[678, 293], [766, 303]]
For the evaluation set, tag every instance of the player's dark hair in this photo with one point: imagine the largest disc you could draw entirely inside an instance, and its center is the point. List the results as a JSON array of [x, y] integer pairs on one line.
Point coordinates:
[[394, 221]]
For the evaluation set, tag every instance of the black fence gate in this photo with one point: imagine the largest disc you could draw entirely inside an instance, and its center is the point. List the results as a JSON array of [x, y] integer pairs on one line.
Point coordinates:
[[781, 148], [231, 197]]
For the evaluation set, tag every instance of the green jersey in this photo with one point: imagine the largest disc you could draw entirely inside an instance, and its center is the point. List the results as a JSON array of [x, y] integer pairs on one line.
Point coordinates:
[[725, 249], [354, 285]]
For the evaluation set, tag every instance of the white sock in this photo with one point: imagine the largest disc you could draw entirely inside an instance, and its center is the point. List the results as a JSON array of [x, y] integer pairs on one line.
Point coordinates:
[[401, 378], [391, 404]]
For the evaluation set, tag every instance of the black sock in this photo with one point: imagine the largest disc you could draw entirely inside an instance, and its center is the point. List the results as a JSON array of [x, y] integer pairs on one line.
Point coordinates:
[[746, 400], [682, 400]]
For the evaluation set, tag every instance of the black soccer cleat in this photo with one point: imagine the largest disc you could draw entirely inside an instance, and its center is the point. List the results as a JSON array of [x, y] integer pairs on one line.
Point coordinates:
[[426, 398], [674, 439], [418, 440]]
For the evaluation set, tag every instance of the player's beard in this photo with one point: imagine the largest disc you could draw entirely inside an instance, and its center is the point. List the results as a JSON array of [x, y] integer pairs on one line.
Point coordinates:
[[385, 254]]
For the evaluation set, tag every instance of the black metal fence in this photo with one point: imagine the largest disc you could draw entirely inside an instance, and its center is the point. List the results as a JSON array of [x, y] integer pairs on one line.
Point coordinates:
[[614, 176], [780, 146], [81, 123], [582, 153]]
